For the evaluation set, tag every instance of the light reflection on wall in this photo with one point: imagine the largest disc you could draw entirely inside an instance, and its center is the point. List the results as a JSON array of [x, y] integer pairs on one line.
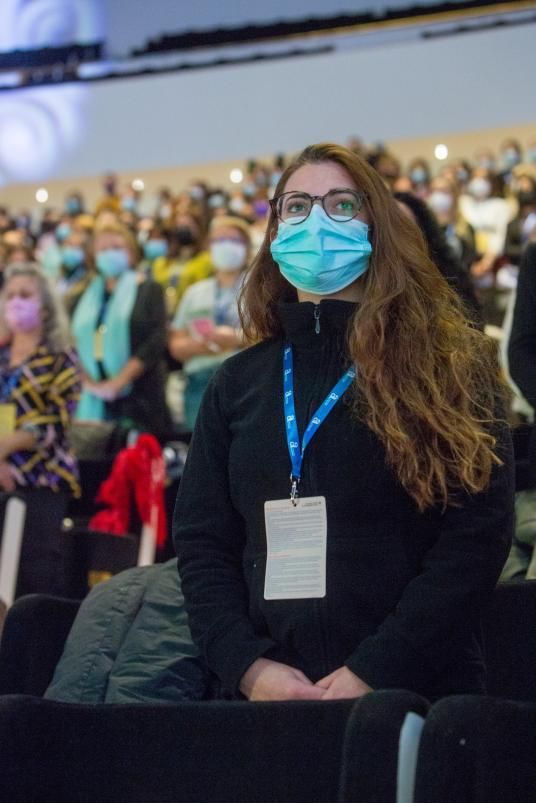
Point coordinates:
[[40, 125]]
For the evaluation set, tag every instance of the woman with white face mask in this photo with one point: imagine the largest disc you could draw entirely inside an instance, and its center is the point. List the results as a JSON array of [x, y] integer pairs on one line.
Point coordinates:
[[443, 201], [488, 213], [39, 390], [206, 328], [347, 502]]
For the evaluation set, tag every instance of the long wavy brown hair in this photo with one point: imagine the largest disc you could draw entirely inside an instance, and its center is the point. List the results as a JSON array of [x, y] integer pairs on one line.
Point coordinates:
[[428, 380]]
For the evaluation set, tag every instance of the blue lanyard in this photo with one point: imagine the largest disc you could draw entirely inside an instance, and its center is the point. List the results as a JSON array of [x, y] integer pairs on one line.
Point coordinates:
[[293, 439]]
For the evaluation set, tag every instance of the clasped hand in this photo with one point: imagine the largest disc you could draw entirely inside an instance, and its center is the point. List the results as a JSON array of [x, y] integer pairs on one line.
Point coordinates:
[[107, 390], [271, 680]]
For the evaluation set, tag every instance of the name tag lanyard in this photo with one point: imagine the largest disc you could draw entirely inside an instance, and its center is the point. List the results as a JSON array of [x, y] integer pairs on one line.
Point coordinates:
[[296, 451]]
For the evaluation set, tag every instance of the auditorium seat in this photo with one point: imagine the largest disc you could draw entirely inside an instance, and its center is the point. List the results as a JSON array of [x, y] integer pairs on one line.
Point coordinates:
[[477, 750]]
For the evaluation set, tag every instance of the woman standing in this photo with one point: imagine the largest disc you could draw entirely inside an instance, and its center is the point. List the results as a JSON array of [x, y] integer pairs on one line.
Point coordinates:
[[120, 330], [206, 329], [39, 387], [370, 566]]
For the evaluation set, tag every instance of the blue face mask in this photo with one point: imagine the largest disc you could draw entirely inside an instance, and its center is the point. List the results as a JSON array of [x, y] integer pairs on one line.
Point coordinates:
[[112, 262], [62, 232], [72, 257], [321, 255], [152, 249], [418, 175]]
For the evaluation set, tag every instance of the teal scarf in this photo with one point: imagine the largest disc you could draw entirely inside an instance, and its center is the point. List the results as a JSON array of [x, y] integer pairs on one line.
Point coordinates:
[[116, 345]]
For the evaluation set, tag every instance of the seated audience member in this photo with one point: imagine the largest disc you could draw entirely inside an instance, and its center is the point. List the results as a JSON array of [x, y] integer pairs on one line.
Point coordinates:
[[511, 155], [76, 270], [488, 213], [522, 229], [485, 158], [154, 245], [119, 327], [206, 328], [186, 261], [443, 200], [440, 252], [39, 386], [522, 340], [325, 554], [419, 174]]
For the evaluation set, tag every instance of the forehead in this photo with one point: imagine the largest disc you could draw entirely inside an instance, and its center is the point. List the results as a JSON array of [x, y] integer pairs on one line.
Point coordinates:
[[107, 239], [227, 233], [317, 179], [26, 284]]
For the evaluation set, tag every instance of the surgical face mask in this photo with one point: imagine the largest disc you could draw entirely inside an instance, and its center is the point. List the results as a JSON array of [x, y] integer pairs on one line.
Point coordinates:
[[462, 175], [479, 188], [261, 208], [128, 203], [511, 158], [72, 257], [228, 255], [197, 193], [526, 198], [62, 232], [321, 255], [418, 175], [22, 314], [237, 204], [152, 249], [215, 200], [249, 189], [112, 262], [185, 235], [486, 162], [73, 206], [441, 202]]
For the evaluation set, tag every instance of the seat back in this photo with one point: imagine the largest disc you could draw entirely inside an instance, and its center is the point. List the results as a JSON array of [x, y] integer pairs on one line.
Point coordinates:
[[370, 756], [510, 641], [219, 751], [477, 750], [32, 642]]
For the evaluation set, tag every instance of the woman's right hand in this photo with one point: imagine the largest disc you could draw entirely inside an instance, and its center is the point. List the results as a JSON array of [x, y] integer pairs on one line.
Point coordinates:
[[270, 680], [7, 483]]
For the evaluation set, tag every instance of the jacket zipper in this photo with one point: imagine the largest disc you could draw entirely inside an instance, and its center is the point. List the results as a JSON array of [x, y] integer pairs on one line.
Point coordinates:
[[317, 318]]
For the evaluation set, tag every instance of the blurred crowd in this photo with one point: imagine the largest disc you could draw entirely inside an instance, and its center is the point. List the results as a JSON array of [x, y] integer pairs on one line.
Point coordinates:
[[150, 284]]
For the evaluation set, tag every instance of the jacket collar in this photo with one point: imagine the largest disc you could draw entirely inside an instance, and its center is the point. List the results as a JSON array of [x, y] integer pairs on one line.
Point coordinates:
[[305, 322]]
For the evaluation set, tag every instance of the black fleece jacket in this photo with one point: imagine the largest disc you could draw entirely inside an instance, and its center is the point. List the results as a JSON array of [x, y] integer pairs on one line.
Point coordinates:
[[404, 590], [522, 343]]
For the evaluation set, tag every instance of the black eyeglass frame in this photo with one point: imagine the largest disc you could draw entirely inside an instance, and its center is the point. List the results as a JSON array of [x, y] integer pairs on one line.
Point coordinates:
[[358, 195]]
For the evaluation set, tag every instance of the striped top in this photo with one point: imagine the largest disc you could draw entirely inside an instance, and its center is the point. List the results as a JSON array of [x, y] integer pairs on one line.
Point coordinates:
[[45, 391]]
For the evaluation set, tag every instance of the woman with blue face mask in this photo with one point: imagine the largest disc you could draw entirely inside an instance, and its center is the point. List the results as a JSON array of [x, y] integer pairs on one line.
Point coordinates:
[[75, 272], [347, 503], [206, 328], [120, 330]]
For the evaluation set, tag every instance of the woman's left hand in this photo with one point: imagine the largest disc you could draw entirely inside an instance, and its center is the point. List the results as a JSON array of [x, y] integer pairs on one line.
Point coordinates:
[[343, 684], [225, 337], [7, 483], [107, 390]]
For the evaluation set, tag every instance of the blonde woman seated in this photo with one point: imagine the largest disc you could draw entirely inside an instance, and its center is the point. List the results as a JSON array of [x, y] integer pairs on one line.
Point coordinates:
[[39, 389]]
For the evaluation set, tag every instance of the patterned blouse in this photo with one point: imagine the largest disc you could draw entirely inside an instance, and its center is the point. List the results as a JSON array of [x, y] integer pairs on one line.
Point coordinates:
[[45, 391]]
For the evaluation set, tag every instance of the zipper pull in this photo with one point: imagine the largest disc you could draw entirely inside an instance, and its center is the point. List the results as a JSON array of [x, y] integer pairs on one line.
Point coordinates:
[[317, 318]]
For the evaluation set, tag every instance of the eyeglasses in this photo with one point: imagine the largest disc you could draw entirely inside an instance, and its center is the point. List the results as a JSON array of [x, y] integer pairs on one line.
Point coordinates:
[[338, 204]]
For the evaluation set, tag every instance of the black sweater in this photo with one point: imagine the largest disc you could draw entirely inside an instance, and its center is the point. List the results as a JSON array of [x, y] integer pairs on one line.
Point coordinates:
[[146, 406], [522, 344], [404, 590]]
